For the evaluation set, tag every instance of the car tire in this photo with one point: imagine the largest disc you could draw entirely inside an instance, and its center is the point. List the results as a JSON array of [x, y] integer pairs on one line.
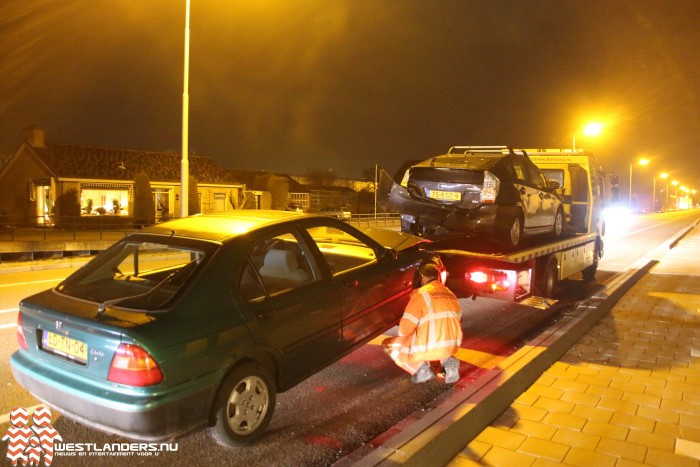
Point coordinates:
[[558, 227], [244, 405], [513, 236]]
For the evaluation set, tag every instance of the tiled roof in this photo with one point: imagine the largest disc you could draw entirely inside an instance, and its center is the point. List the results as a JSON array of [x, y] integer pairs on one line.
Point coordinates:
[[100, 163]]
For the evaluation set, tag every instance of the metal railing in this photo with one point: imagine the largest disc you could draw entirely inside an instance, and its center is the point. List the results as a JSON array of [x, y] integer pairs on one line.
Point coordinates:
[[384, 220]]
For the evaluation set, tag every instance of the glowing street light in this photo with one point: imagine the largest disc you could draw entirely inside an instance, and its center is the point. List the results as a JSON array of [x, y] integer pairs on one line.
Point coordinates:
[[591, 129], [640, 162]]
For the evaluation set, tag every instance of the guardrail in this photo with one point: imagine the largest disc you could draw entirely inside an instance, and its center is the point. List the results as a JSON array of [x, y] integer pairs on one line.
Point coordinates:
[[86, 228]]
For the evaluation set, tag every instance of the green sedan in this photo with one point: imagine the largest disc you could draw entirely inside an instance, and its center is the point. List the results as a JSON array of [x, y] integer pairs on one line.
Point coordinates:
[[199, 322]]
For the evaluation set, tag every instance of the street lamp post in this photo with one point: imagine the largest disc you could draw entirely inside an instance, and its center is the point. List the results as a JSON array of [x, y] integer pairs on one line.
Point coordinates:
[[653, 194], [675, 193], [641, 162], [185, 165]]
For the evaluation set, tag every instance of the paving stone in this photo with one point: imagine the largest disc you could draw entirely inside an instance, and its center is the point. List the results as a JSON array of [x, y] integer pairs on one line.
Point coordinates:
[[546, 449]]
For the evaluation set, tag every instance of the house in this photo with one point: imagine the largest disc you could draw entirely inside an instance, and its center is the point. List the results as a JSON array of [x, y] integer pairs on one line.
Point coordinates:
[[40, 171]]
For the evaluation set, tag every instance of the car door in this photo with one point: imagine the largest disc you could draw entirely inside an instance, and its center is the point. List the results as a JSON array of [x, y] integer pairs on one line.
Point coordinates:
[[529, 194], [372, 284], [289, 306], [549, 202]]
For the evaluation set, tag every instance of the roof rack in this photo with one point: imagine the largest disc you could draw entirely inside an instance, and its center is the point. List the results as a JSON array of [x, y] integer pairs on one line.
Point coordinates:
[[487, 149]]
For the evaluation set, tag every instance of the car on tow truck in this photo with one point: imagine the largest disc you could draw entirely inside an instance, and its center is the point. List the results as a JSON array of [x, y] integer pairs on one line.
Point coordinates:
[[495, 191], [199, 322]]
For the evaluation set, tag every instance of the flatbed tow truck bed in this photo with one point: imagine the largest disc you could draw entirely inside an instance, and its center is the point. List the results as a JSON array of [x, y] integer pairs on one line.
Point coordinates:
[[476, 268]]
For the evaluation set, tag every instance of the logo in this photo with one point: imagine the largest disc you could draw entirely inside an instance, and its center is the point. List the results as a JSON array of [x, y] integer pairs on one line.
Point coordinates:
[[26, 446], [30, 444], [59, 325], [446, 186]]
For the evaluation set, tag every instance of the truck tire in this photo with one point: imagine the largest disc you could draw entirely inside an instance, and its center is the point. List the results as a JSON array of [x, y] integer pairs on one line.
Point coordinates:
[[549, 279], [589, 272]]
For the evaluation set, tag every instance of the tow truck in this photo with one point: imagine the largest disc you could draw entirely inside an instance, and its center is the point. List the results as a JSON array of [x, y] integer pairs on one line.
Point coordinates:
[[530, 274]]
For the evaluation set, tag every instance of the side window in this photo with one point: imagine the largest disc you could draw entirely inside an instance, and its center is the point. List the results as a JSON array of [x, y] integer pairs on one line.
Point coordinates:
[[342, 251], [520, 170], [250, 286], [281, 262], [555, 175]]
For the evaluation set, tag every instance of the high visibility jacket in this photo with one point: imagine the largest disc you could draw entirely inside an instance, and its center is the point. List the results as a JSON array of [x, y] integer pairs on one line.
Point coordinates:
[[431, 326]]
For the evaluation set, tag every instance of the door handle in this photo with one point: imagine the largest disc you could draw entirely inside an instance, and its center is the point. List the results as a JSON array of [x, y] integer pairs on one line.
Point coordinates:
[[523, 191], [265, 313], [352, 283]]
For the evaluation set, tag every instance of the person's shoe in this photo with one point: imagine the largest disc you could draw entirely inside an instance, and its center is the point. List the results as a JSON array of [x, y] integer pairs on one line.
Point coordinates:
[[423, 374], [451, 367]]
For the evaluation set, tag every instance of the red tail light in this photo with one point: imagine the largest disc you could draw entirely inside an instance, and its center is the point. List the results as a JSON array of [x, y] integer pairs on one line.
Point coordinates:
[[21, 341], [492, 281], [134, 366]]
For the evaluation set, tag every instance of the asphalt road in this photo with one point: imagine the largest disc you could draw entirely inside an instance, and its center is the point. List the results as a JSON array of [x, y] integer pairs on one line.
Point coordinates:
[[353, 401]]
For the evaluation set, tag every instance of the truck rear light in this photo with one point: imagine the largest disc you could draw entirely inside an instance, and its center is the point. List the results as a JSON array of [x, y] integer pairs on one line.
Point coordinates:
[[133, 366], [489, 190], [21, 341], [493, 281]]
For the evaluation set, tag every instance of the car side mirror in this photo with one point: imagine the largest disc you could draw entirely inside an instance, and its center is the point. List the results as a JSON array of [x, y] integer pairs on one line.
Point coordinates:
[[389, 254], [554, 185]]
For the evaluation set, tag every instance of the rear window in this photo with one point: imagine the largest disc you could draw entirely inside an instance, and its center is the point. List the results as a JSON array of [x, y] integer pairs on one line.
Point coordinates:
[[138, 275], [429, 174]]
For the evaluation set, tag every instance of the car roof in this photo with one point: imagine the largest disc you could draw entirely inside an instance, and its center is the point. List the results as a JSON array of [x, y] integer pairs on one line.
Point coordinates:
[[480, 161], [219, 226]]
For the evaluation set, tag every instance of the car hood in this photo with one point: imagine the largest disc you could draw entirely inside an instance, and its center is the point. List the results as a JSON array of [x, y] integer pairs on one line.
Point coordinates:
[[397, 241]]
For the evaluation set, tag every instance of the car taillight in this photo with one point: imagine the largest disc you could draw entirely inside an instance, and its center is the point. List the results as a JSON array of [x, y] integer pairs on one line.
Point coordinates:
[[489, 190], [134, 366], [21, 341]]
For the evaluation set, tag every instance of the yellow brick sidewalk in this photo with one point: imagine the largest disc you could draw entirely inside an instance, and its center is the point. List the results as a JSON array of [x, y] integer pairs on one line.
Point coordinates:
[[627, 394]]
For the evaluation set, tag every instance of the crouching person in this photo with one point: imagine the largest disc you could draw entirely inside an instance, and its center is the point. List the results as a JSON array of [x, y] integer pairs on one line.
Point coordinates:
[[430, 330]]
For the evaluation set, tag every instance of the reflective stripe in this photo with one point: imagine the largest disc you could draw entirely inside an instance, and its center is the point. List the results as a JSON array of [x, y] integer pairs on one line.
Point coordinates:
[[429, 316], [431, 346]]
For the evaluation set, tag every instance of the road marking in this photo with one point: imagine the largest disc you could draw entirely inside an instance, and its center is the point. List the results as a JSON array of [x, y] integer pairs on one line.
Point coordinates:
[[9, 310], [8, 326], [5, 418], [31, 282]]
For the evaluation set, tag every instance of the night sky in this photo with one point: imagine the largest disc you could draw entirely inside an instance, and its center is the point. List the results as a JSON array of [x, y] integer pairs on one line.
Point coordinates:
[[299, 85]]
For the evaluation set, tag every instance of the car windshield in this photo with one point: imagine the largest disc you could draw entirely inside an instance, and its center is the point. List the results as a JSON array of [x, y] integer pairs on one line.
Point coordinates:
[[132, 274]]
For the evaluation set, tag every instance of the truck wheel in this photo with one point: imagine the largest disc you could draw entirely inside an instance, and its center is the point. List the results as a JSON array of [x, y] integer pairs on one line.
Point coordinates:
[[549, 279], [589, 272], [558, 227], [244, 405]]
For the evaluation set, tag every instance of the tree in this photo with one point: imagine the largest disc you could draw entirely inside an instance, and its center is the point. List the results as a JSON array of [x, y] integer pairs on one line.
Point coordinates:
[[144, 205], [67, 208], [279, 191]]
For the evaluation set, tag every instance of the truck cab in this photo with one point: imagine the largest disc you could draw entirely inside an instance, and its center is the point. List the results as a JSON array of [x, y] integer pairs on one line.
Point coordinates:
[[584, 187]]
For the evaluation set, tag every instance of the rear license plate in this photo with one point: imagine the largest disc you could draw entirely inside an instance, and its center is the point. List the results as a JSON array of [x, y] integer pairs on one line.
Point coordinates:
[[65, 346], [445, 195]]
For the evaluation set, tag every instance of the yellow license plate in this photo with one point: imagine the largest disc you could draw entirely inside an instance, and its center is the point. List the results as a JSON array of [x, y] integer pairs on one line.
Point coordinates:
[[445, 195], [62, 345]]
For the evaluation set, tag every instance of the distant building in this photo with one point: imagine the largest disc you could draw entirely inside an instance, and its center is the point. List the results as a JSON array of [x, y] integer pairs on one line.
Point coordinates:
[[39, 171]]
